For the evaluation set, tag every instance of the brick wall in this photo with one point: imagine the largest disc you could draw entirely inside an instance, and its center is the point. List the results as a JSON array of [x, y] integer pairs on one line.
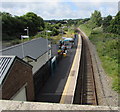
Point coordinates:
[[41, 77], [18, 75]]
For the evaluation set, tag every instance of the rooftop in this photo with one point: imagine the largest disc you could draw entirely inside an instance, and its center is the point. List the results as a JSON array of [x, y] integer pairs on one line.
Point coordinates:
[[34, 49], [5, 63]]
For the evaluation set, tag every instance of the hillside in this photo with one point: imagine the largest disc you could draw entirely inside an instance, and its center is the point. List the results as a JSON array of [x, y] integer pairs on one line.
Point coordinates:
[[107, 45]]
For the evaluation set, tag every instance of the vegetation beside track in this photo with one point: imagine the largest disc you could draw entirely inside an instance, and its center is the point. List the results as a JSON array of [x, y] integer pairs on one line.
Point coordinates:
[[104, 33], [107, 45]]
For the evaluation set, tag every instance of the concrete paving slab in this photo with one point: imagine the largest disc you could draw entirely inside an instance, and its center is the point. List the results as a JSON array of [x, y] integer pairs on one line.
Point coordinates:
[[27, 106]]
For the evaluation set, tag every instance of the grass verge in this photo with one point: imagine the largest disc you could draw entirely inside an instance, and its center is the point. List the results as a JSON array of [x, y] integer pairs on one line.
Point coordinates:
[[86, 29], [107, 46]]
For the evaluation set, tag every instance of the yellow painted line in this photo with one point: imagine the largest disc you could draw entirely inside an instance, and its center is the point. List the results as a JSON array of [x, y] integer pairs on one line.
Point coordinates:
[[65, 90], [64, 94]]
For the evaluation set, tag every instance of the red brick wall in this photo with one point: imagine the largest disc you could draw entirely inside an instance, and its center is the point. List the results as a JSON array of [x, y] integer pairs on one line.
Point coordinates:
[[19, 74]]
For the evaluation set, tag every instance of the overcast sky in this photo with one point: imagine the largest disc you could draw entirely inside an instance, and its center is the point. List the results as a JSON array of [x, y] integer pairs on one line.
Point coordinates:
[[60, 9]]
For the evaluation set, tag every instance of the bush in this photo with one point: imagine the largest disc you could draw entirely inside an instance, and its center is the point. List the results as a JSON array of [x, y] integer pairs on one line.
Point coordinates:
[[107, 46], [14, 42]]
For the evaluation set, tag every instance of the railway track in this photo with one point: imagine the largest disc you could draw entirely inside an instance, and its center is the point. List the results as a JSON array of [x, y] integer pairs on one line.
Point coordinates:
[[85, 93]]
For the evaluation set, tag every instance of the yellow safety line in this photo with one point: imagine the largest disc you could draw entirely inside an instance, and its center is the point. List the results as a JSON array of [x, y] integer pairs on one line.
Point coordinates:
[[62, 100]]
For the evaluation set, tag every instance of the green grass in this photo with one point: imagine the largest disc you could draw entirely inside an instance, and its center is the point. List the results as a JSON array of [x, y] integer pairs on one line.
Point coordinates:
[[85, 28], [107, 46]]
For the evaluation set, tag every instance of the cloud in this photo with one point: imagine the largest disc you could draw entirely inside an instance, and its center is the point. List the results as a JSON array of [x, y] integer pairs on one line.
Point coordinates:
[[60, 1], [95, 1], [60, 10], [35, 1], [107, 7]]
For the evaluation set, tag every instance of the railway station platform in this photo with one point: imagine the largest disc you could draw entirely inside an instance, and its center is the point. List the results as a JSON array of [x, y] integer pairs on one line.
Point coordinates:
[[69, 89], [58, 92], [54, 87]]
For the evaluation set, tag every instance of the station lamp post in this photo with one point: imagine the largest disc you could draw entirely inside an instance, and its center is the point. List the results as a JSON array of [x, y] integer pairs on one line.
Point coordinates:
[[22, 37], [27, 29], [47, 31]]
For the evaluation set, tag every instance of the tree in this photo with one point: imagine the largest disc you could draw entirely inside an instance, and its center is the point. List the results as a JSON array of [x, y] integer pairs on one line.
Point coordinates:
[[96, 19], [7, 25], [55, 32], [115, 24], [107, 20], [13, 27], [33, 21], [106, 23]]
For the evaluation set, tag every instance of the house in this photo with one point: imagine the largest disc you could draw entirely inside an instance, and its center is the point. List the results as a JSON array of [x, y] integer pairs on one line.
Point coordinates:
[[36, 52], [16, 79]]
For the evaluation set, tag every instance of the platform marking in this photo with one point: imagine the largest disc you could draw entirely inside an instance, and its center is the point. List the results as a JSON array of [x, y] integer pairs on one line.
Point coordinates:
[[70, 77]]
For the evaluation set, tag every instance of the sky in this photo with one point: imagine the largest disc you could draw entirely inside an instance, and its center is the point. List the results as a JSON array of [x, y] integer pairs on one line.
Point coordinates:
[[60, 9]]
